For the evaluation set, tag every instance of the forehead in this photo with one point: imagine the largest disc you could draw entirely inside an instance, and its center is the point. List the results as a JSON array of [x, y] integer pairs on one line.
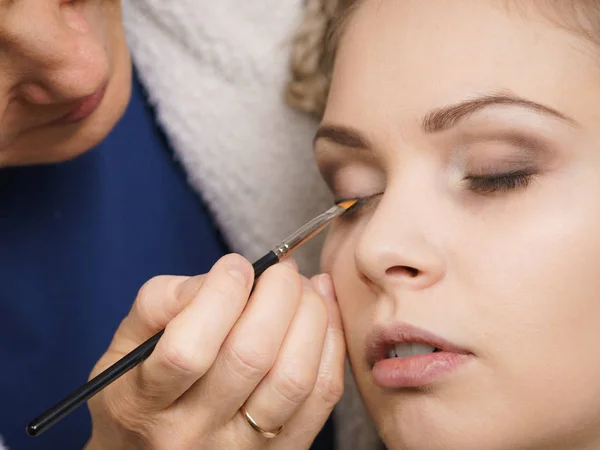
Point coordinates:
[[399, 58]]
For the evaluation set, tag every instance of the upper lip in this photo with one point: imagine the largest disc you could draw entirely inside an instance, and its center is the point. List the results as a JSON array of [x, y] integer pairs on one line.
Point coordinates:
[[383, 337]]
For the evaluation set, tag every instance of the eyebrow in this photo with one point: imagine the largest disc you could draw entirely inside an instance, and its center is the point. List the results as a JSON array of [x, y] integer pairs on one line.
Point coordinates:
[[344, 136], [447, 117], [440, 119]]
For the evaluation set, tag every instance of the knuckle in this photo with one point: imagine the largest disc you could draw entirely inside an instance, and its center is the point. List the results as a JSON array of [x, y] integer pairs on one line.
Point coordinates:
[[294, 383], [145, 306], [150, 286], [285, 275], [330, 388], [317, 304], [248, 361], [172, 434], [314, 307], [183, 359], [226, 293], [125, 411]]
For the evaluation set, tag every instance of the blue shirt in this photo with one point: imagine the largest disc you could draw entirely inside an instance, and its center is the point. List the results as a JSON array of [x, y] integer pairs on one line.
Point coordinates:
[[77, 240]]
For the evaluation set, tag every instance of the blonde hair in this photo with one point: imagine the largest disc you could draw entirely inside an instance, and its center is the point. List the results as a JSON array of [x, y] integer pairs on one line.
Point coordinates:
[[313, 52], [320, 30]]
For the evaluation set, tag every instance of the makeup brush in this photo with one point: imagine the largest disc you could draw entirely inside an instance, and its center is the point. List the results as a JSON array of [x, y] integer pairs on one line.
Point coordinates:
[[42, 423]]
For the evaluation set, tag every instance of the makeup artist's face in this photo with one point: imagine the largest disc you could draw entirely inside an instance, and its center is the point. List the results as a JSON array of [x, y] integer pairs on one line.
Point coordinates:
[[481, 127], [64, 77]]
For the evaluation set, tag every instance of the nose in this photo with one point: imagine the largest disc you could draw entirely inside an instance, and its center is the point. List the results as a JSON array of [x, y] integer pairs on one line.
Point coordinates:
[[399, 247], [52, 52]]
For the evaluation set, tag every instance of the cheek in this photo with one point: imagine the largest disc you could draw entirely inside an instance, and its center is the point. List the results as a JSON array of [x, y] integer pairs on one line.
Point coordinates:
[[542, 260], [356, 301], [533, 286]]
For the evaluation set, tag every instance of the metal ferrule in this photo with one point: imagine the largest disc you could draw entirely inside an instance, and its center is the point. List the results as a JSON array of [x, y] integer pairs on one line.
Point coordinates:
[[307, 231]]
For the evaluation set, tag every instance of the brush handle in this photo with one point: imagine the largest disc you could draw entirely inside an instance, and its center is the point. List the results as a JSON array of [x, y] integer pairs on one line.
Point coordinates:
[[42, 423], [270, 259], [49, 418]]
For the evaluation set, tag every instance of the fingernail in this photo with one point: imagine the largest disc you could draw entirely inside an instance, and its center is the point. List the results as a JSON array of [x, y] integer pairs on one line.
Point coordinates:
[[239, 271], [326, 287], [290, 262]]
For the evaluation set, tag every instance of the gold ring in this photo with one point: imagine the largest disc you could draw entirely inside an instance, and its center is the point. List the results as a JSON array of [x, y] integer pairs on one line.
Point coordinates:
[[265, 433]]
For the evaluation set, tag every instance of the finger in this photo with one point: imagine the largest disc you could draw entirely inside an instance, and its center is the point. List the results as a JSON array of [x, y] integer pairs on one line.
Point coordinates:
[[251, 348], [193, 338], [291, 380], [158, 301], [301, 430]]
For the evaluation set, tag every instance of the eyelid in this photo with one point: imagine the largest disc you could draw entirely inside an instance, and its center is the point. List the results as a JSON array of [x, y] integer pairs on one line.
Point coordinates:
[[361, 206], [337, 169], [503, 165]]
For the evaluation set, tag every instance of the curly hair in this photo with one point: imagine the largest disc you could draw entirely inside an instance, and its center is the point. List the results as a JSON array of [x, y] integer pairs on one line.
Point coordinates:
[[313, 52], [319, 32]]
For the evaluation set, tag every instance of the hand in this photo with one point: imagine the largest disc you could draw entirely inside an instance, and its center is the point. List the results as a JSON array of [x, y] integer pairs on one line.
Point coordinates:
[[279, 353]]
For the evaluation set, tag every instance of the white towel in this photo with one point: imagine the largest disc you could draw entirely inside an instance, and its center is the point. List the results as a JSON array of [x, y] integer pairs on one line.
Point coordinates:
[[216, 72]]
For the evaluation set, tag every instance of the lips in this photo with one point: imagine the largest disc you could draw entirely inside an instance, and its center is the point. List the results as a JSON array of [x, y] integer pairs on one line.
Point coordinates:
[[403, 355], [83, 108], [382, 340]]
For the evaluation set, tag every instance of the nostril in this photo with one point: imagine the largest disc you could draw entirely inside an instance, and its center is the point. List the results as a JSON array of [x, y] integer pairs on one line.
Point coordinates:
[[411, 272]]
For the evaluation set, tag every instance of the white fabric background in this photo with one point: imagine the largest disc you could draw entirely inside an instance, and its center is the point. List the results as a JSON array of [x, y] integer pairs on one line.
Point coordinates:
[[216, 72]]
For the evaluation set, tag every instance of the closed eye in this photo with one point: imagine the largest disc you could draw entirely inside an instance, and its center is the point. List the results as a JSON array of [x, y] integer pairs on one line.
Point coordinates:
[[504, 182]]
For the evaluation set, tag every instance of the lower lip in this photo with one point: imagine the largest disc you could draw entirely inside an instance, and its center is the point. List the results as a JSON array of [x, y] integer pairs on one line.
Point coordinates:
[[416, 371], [85, 108]]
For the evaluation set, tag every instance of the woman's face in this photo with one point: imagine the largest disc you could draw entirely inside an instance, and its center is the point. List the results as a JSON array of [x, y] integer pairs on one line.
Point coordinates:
[[475, 126], [64, 77]]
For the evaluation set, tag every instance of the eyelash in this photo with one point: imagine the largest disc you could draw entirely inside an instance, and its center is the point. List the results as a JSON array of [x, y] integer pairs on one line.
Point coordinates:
[[481, 184], [363, 203], [503, 182]]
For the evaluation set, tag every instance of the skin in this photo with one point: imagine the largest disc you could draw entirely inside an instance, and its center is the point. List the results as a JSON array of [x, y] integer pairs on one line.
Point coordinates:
[[279, 351], [52, 56], [221, 350], [509, 274]]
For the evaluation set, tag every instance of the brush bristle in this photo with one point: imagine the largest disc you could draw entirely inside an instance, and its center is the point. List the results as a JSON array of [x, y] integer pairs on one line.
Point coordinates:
[[348, 204]]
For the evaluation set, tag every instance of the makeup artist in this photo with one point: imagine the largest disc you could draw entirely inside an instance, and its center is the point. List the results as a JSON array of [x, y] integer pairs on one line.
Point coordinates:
[[93, 203]]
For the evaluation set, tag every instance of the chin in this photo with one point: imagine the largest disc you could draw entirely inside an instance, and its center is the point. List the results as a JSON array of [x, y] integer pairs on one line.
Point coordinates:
[[428, 420]]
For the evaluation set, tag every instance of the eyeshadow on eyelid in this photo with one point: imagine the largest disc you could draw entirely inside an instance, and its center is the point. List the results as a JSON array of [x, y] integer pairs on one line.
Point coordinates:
[[512, 149], [328, 173], [532, 142]]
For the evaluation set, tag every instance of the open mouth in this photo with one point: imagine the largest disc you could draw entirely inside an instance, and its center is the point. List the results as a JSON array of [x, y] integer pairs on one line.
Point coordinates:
[[409, 349], [402, 355]]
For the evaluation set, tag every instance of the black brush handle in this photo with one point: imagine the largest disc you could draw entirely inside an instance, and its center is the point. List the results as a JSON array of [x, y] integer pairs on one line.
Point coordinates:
[[42, 423], [63, 408], [270, 259]]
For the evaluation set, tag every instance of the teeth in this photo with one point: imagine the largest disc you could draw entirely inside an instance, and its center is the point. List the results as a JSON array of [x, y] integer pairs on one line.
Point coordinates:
[[403, 350], [406, 350], [422, 349]]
